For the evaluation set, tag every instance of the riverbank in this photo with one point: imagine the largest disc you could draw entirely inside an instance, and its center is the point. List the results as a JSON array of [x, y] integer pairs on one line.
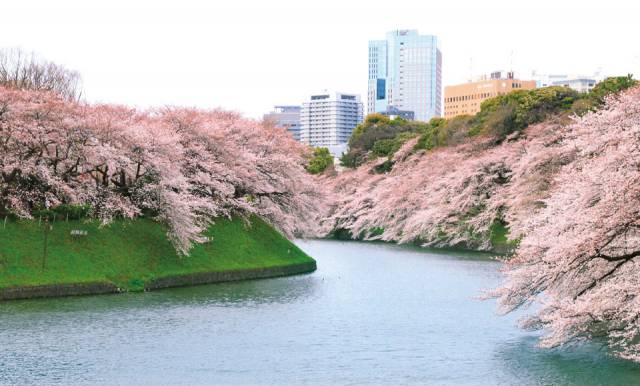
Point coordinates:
[[497, 240], [83, 258]]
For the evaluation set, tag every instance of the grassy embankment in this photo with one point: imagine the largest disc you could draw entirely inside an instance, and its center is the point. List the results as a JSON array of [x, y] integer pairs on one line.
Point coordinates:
[[130, 254]]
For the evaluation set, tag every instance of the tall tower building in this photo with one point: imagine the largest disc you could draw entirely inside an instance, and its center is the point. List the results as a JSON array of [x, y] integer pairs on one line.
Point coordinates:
[[405, 73], [328, 118]]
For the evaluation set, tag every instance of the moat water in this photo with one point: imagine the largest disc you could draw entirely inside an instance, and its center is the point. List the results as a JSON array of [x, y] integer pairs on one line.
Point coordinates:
[[371, 314]]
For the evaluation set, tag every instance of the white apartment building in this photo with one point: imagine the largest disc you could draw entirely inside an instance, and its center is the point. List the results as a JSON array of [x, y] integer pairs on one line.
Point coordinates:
[[579, 83], [328, 118]]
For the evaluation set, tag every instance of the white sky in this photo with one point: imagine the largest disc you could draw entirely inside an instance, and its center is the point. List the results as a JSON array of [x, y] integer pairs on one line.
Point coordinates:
[[250, 55]]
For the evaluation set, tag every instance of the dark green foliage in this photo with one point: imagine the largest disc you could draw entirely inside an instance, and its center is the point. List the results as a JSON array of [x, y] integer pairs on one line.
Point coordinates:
[[345, 234], [504, 114], [442, 132], [384, 147], [384, 167], [387, 147], [501, 122], [353, 158], [320, 161], [370, 134], [499, 236], [341, 234], [499, 117], [596, 97], [379, 136], [373, 232], [369, 121], [610, 86]]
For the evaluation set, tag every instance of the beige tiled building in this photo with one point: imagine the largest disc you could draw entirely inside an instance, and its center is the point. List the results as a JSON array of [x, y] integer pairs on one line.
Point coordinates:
[[466, 98]]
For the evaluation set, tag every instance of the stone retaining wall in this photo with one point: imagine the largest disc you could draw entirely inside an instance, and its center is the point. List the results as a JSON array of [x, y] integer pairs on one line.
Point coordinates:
[[96, 288], [56, 290], [219, 277]]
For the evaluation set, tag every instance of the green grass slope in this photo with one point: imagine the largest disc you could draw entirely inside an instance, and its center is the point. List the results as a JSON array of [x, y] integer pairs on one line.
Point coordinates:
[[131, 253]]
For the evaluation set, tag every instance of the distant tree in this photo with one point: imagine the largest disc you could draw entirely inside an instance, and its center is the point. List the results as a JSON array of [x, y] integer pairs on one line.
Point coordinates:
[[28, 72], [320, 160], [611, 86], [375, 128], [434, 134], [504, 114], [388, 147], [353, 158], [369, 121]]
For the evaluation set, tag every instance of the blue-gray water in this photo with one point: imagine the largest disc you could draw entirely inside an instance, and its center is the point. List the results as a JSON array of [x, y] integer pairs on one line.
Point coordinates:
[[371, 314]]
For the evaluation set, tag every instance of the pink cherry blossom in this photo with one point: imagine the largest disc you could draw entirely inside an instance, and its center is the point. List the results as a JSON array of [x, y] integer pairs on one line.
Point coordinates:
[[182, 167], [570, 194]]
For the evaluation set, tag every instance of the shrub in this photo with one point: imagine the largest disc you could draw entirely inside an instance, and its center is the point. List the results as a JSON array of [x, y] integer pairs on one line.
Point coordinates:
[[320, 161], [609, 86], [384, 167], [384, 147], [433, 134], [379, 136], [504, 114], [353, 158], [388, 147]]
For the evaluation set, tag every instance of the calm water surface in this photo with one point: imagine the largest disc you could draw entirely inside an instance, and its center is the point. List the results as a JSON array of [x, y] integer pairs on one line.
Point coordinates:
[[371, 314]]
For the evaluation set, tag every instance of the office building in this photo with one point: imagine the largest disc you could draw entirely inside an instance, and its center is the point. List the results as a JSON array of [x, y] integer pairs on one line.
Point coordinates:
[[287, 117], [466, 98], [328, 118], [578, 84], [405, 72], [394, 113], [547, 80]]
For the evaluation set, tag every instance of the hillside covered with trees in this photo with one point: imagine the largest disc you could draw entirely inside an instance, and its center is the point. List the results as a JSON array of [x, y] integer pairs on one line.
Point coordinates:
[[453, 169]]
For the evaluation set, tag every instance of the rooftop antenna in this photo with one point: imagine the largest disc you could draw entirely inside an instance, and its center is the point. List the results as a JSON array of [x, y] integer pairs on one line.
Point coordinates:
[[511, 63], [470, 69]]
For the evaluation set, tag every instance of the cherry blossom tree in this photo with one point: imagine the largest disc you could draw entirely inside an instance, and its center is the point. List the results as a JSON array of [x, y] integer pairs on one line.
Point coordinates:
[[579, 256], [570, 195], [182, 167], [446, 197]]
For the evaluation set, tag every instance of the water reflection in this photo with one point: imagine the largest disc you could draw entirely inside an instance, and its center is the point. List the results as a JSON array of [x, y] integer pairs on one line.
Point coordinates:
[[576, 364]]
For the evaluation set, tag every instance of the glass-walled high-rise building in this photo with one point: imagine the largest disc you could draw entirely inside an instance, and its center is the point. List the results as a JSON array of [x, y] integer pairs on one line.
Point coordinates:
[[405, 73]]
